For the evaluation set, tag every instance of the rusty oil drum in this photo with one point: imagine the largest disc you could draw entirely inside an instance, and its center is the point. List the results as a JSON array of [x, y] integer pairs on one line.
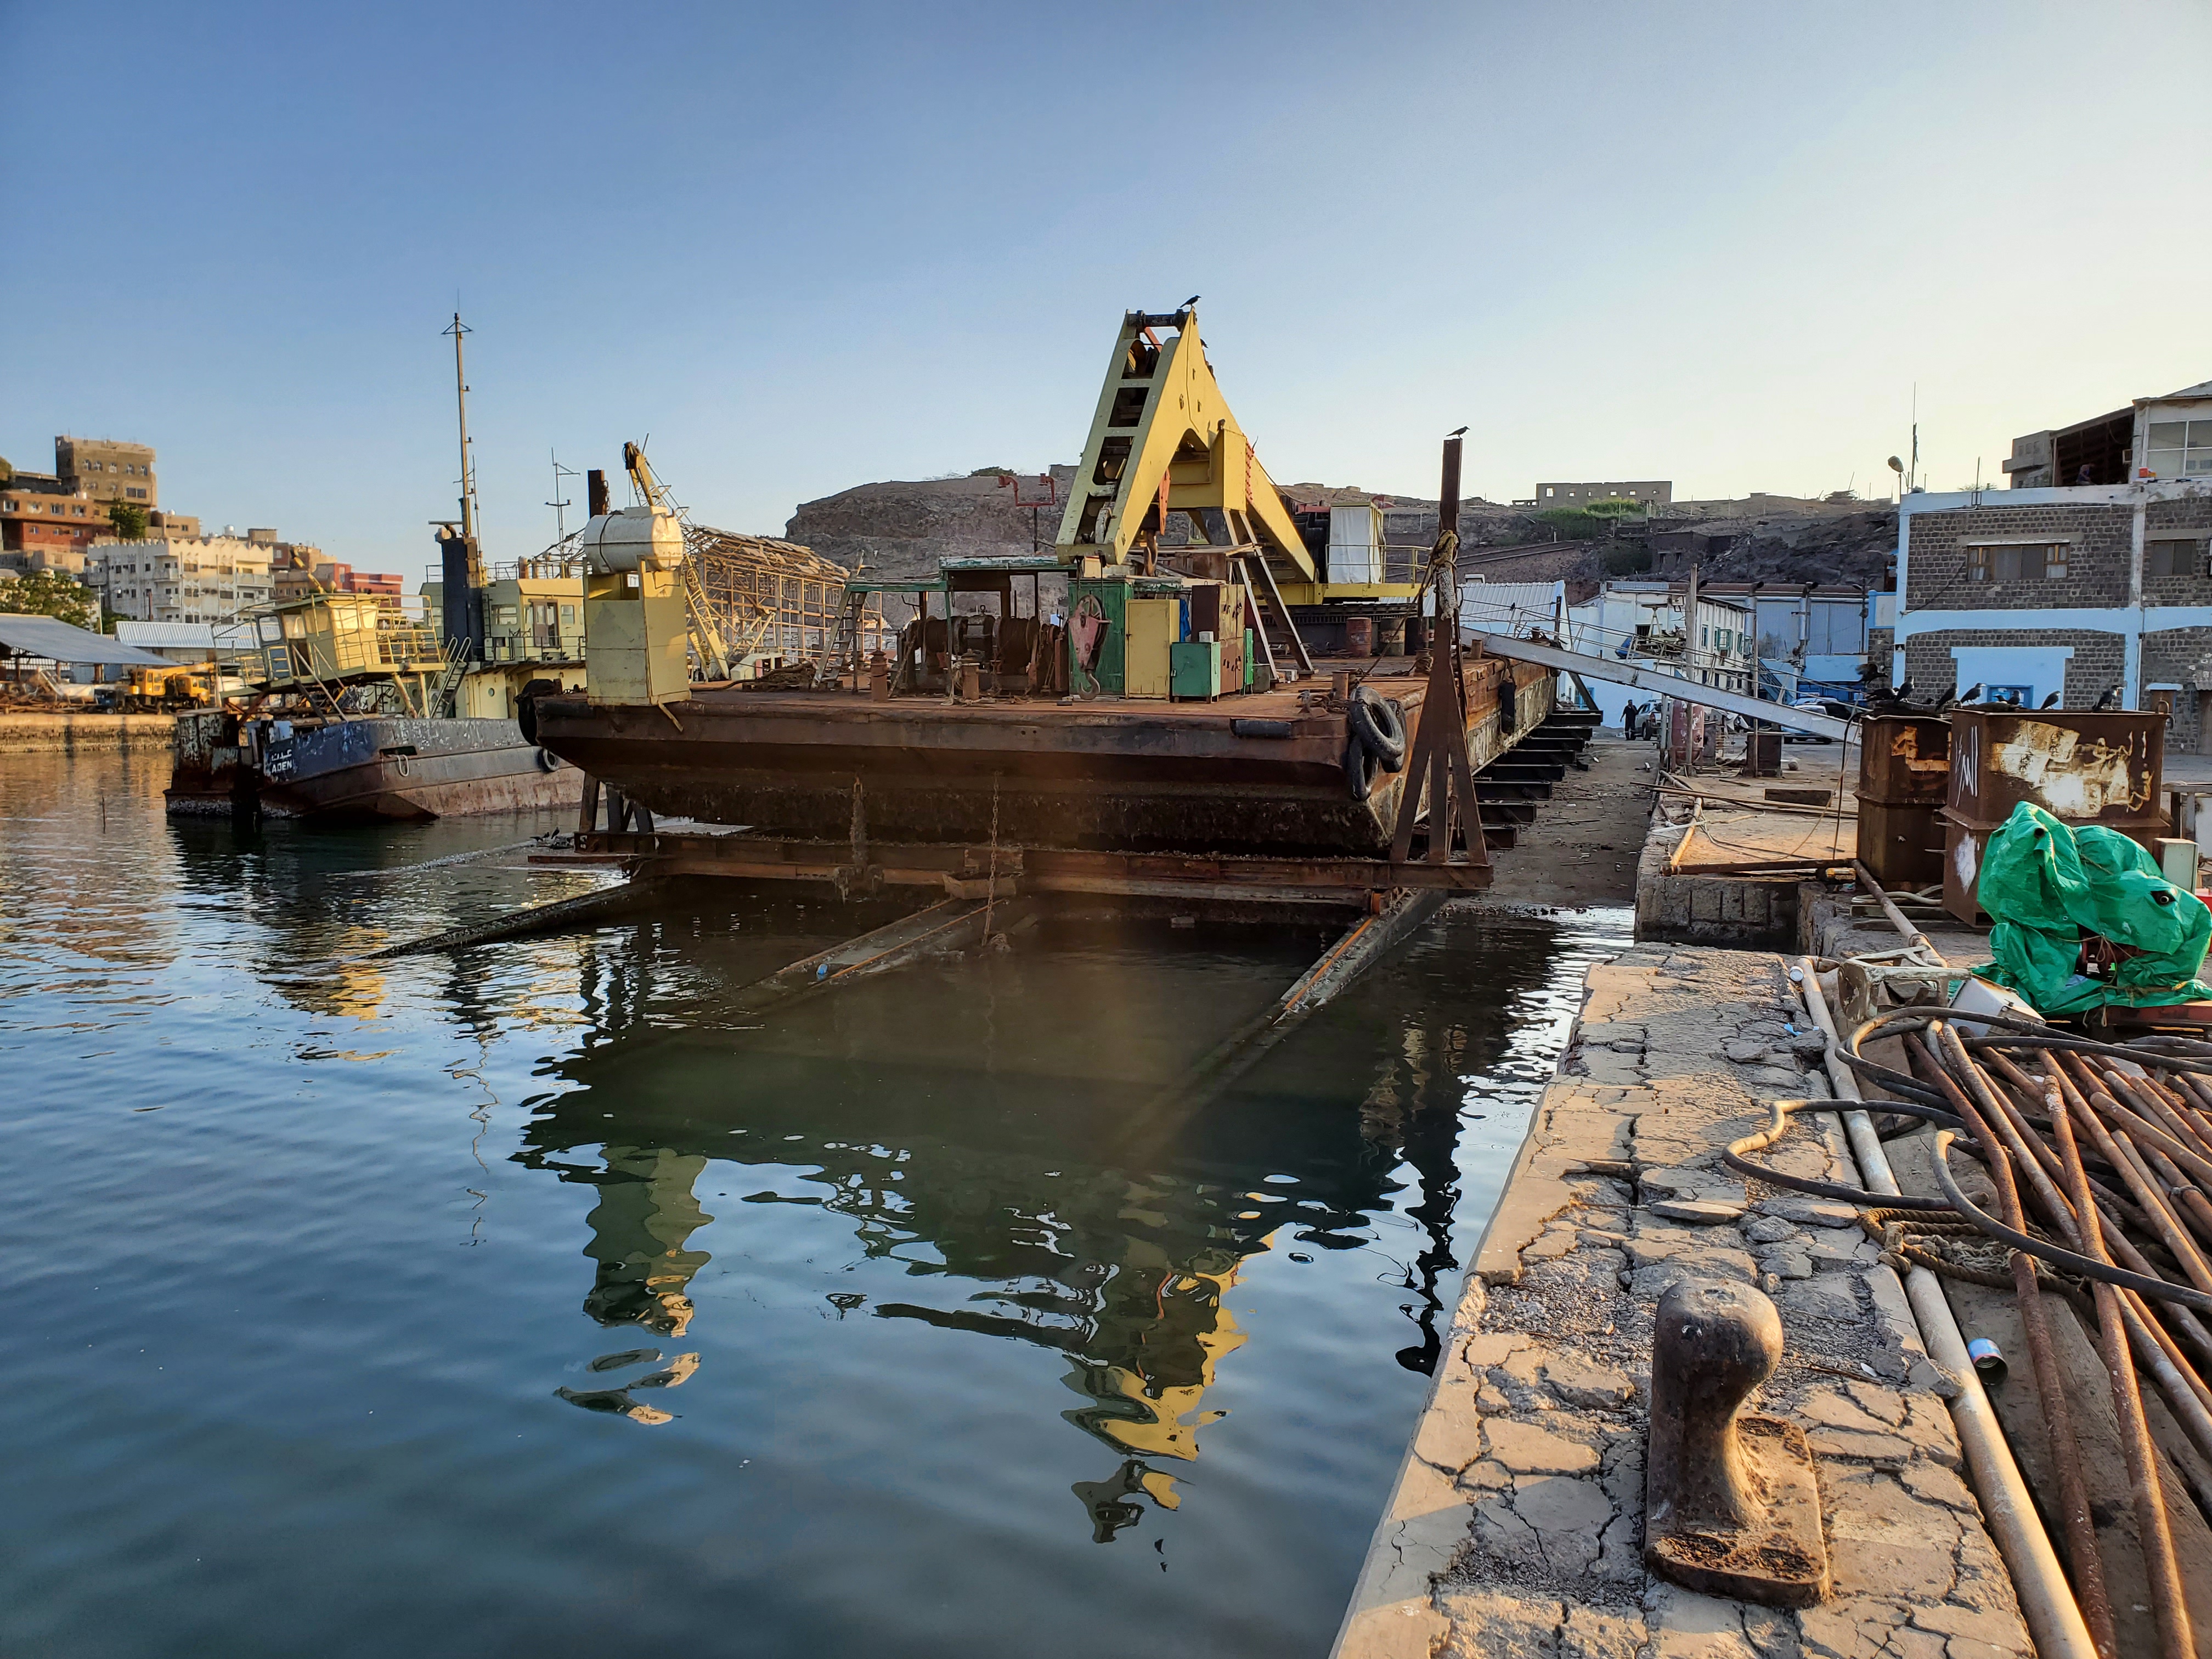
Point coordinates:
[[2082, 768]]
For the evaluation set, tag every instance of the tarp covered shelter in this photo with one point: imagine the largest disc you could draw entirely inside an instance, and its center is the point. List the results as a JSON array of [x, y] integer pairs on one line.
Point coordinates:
[[56, 641]]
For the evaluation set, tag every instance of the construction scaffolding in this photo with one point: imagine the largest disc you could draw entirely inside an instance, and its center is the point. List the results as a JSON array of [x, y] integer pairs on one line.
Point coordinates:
[[775, 602]]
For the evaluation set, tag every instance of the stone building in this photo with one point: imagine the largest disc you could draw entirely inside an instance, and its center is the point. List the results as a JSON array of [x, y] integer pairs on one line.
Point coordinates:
[[105, 471], [49, 520], [2084, 593], [1652, 492]]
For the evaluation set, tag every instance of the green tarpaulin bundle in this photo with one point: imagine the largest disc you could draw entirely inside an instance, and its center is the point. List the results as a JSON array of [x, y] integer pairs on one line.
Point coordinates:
[[2050, 886]]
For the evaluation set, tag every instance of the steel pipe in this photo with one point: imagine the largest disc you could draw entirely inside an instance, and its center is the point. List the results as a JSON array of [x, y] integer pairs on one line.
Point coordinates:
[[2054, 1617]]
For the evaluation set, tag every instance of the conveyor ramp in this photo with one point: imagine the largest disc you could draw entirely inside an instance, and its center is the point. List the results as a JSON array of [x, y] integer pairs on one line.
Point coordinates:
[[1647, 676]]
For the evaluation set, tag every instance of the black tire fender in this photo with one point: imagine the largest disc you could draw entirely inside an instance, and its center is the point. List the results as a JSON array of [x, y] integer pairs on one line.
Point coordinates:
[[548, 761], [526, 707], [1380, 725], [1360, 769]]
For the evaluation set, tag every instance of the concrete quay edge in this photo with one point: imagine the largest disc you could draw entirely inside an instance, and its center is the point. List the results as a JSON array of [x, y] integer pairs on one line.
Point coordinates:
[[1514, 1527], [42, 733]]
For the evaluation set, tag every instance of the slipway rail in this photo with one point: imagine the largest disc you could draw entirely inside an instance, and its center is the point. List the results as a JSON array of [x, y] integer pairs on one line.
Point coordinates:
[[1614, 671]]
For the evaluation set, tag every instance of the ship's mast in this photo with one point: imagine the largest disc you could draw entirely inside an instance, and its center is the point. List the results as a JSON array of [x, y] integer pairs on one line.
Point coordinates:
[[461, 407]]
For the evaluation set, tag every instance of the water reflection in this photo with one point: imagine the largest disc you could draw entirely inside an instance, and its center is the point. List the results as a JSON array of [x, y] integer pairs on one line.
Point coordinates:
[[972, 1122], [901, 1302]]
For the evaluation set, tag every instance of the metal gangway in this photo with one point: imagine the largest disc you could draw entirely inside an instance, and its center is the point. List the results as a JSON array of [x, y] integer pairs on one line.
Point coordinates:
[[1553, 640]]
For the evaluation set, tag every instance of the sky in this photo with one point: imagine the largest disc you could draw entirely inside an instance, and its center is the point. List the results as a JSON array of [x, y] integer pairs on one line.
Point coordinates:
[[805, 247]]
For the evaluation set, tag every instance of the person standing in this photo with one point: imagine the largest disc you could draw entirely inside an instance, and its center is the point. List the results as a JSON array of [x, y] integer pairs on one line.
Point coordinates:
[[1628, 719]]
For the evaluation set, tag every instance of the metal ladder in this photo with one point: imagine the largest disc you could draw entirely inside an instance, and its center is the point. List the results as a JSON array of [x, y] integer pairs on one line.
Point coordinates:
[[445, 700], [706, 636]]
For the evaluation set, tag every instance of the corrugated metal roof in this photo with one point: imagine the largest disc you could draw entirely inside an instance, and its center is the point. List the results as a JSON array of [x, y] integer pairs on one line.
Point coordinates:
[[153, 636], [43, 636]]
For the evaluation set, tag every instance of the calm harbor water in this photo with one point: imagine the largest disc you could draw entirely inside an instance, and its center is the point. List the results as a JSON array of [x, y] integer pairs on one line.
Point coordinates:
[[531, 1300]]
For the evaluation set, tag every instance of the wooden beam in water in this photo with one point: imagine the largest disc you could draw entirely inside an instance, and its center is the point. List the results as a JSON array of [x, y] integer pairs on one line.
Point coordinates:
[[951, 924], [593, 906], [1031, 870], [1360, 946]]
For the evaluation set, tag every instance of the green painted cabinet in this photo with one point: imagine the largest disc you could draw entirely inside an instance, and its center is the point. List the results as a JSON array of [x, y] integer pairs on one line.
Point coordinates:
[[1107, 597], [1194, 668]]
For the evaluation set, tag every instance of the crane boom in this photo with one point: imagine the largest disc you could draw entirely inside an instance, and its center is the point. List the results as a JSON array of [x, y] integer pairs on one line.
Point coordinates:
[[650, 492], [1163, 439]]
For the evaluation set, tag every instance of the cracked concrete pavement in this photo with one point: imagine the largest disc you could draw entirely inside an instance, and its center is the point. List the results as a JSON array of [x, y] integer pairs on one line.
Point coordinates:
[[1515, 1527]]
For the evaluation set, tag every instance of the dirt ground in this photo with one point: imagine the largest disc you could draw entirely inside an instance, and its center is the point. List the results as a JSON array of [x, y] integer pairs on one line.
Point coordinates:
[[1584, 846]]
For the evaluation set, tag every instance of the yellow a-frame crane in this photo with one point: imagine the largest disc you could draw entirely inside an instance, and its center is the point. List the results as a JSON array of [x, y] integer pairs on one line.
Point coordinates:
[[1164, 440]]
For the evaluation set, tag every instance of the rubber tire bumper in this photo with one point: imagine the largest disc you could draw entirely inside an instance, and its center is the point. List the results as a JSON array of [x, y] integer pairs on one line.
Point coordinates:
[[526, 707], [1360, 769], [1380, 725]]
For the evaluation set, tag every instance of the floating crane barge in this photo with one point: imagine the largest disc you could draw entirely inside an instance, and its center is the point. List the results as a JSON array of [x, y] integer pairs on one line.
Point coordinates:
[[1164, 733]]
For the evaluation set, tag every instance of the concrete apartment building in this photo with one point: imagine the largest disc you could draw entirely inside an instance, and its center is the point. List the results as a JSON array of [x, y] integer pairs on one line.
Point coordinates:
[[50, 520], [301, 569], [45, 526], [206, 579], [2085, 590]]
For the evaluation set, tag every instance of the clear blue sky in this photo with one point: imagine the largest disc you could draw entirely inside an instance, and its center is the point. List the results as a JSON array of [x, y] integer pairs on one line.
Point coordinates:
[[805, 248]]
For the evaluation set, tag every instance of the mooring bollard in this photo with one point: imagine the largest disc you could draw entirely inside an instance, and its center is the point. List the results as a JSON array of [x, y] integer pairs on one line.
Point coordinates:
[[1731, 1504]]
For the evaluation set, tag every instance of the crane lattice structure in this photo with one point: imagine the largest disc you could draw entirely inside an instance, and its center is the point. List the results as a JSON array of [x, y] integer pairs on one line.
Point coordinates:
[[753, 600]]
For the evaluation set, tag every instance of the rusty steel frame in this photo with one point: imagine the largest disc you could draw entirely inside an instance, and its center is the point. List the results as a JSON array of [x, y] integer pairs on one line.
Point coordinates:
[[1028, 870]]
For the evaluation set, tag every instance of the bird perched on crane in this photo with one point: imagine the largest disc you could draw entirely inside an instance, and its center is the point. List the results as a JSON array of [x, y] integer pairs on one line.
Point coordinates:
[[2110, 692], [2050, 702]]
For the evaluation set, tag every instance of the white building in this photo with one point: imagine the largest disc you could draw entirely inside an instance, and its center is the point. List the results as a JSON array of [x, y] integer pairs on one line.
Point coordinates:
[[1642, 624], [207, 579]]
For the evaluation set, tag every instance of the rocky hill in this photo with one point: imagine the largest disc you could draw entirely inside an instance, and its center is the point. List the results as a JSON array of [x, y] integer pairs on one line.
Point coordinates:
[[901, 528]]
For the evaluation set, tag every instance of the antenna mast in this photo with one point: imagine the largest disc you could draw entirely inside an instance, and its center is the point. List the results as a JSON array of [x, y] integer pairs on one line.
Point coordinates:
[[461, 404], [558, 504]]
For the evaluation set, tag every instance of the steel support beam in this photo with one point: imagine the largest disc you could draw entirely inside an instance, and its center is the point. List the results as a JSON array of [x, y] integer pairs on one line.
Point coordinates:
[[1615, 672]]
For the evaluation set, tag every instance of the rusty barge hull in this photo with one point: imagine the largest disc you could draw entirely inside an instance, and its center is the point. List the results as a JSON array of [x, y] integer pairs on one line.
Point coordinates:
[[1249, 775]]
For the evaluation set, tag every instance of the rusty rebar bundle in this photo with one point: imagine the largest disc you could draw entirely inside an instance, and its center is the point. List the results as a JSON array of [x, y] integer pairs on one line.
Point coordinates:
[[2098, 1155]]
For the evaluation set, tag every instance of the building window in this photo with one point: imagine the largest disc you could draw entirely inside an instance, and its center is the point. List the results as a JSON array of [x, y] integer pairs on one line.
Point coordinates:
[[2175, 555], [2016, 561], [2179, 449]]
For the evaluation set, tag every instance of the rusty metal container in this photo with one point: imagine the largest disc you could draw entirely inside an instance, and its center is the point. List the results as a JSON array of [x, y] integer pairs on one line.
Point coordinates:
[[1905, 760], [1762, 755], [1904, 776], [2081, 768]]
